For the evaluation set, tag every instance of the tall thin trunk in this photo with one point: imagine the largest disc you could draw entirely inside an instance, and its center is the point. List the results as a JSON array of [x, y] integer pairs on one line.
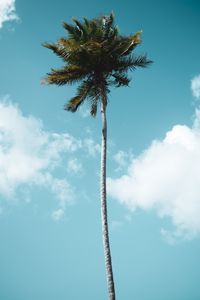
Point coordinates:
[[106, 245]]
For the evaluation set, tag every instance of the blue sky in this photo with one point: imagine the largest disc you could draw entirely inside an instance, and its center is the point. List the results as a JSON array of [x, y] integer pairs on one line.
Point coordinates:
[[50, 228]]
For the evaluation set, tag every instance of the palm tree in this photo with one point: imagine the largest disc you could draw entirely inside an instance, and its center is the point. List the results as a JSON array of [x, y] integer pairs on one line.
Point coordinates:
[[96, 56]]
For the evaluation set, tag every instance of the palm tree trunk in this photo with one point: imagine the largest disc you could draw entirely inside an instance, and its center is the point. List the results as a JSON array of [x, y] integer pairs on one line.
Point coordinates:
[[106, 245]]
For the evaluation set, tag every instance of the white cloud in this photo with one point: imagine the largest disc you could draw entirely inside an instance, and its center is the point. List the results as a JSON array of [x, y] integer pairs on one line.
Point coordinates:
[[122, 158], [29, 155], [74, 166], [63, 191], [57, 214], [7, 11], [84, 112], [195, 86], [91, 147], [166, 178]]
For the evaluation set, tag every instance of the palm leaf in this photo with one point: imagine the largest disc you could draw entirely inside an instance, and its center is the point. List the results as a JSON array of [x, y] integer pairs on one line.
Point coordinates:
[[93, 109], [67, 75], [139, 61], [73, 32], [82, 94], [120, 80]]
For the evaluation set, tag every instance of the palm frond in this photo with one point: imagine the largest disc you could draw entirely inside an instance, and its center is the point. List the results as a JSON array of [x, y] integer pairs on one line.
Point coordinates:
[[114, 34], [50, 46], [134, 41], [108, 25], [84, 29], [86, 22], [69, 28], [59, 51], [67, 75], [82, 94], [93, 108], [73, 31], [139, 61], [125, 64], [120, 79]]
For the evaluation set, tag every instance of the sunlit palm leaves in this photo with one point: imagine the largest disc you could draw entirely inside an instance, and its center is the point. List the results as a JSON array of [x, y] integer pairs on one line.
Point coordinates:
[[96, 56]]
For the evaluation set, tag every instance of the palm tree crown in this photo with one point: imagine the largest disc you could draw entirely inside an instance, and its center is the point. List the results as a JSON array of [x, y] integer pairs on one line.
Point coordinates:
[[96, 56]]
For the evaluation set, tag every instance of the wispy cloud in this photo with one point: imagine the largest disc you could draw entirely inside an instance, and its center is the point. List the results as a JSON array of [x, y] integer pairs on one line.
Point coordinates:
[[91, 147], [166, 178], [122, 159], [74, 166], [65, 195], [7, 11], [84, 112], [195, 86], [31, 156], [57, 214]]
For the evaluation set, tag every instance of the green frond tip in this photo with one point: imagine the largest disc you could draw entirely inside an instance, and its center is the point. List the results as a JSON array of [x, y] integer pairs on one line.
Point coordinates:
[[121, 80], [112, 16], [52, 47], [136, 38], [110, 19], [93, 110], [68, 27], [86, 22], [73, 104], [142, 61], [78, 24], [82, 94]]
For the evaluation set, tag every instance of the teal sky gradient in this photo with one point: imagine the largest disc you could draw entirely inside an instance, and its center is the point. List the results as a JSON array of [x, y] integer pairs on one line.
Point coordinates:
[[45, 259]]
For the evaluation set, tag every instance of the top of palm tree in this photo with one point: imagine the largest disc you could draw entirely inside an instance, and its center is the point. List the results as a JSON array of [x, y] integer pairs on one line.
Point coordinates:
[[96, 56]]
